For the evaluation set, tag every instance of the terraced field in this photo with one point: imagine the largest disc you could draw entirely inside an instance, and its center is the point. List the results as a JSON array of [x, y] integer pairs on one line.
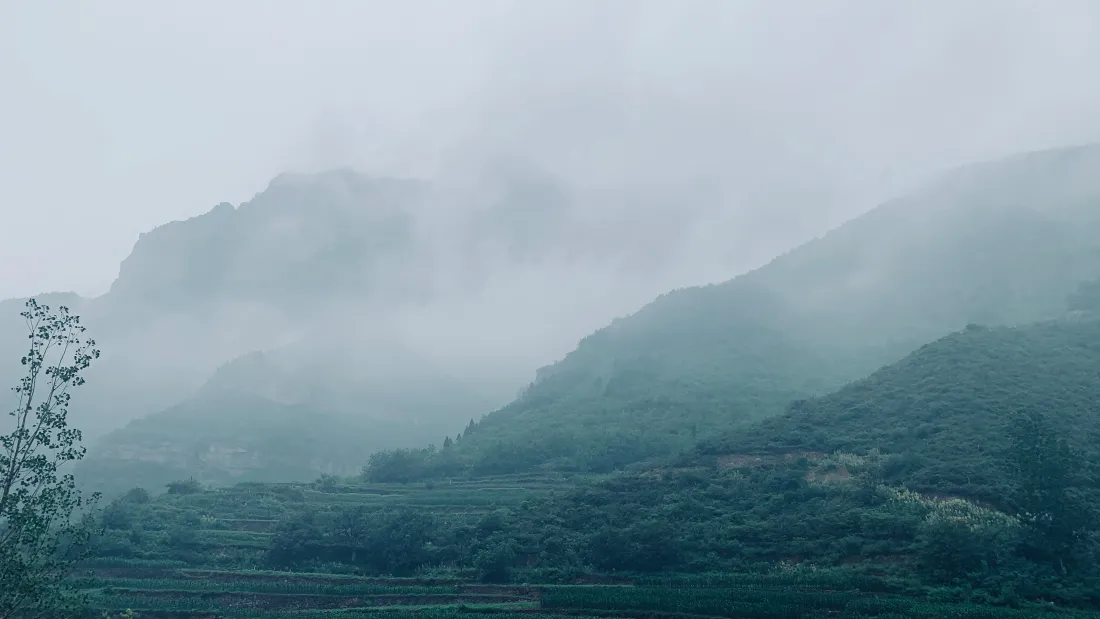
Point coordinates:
[[233, 527], [222, 575]]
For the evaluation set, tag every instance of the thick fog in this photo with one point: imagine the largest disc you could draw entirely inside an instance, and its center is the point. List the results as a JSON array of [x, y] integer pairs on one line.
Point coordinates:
[[687, 140], [773, 119]]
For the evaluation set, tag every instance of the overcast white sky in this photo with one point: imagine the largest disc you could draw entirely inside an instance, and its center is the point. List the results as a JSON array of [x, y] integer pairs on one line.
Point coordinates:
[[119, 115]]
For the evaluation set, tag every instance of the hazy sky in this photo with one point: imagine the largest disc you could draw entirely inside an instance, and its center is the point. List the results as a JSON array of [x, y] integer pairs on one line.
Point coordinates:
[[119, 115]]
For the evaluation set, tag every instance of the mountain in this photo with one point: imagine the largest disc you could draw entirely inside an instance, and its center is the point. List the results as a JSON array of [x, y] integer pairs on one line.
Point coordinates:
[[998, 243], [198, 293], [320, 406], [336, 247], [333, 237], [906, 484], [312, 263], [847, 466], [944, 412]]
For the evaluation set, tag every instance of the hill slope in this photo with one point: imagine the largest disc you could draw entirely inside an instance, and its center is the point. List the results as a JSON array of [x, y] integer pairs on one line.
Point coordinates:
[[291, 414], [997, 243], [342, 253], [782, 508], [945, 409]]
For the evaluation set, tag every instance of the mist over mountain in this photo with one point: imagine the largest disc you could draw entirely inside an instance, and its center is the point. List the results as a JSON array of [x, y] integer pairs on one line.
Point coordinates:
[[288, 414], [327, 239], [998, 243], [357, 273], [884, 497], [342, 292], [554, 308]]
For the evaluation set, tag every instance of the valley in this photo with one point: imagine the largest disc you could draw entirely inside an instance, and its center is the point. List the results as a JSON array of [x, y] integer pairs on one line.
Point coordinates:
[[225, 565], [549, 309], [896, 419]]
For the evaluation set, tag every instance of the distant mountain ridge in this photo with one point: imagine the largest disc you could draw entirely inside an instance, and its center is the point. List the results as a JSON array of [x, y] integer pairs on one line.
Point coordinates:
[[315, 257], [995, 243], [283, 415], [332, 247], [998, 243], [195, 294], [304, 237]]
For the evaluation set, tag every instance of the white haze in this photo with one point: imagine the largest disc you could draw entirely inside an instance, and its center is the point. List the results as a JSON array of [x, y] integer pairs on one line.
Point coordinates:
[[783, 117], [716, 133]]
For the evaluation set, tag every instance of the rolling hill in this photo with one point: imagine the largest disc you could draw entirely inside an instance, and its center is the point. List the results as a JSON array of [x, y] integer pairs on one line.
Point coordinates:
[[998, 243], [816, 489], [318, 406], [943, 413], [326, 258], [889, 494]]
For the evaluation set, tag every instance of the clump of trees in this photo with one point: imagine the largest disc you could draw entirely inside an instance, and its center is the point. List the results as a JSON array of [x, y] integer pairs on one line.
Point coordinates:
[[184, 486], [44, 524], [1049, 474]]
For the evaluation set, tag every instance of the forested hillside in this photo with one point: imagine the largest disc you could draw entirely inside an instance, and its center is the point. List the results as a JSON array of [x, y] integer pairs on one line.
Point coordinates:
[[956, 480], [960, 474], [943, 412], [1000, 243]]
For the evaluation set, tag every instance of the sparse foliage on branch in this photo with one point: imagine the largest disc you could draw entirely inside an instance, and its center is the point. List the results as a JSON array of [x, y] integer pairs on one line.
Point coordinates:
[[43, 528]]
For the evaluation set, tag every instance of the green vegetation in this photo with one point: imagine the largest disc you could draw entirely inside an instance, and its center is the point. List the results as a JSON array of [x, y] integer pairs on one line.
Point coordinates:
[[955, 482], [781, 445], [943, 415], [707, 361], [43, 533], [793, 537]]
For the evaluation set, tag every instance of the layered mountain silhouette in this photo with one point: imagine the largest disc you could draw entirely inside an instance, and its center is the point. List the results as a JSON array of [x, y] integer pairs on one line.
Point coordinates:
[[319, 406], [229, 298], [306, 240], [311, 273], [999, 243]]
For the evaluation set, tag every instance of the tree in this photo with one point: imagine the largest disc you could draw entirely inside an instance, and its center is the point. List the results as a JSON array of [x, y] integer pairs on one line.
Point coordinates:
[[494, 561], [327, 482], [958, 540], [1046, 471], [44, 527], [184, 486]]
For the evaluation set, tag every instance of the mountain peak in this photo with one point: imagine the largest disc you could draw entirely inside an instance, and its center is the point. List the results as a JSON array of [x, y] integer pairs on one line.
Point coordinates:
[[326, 234]]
